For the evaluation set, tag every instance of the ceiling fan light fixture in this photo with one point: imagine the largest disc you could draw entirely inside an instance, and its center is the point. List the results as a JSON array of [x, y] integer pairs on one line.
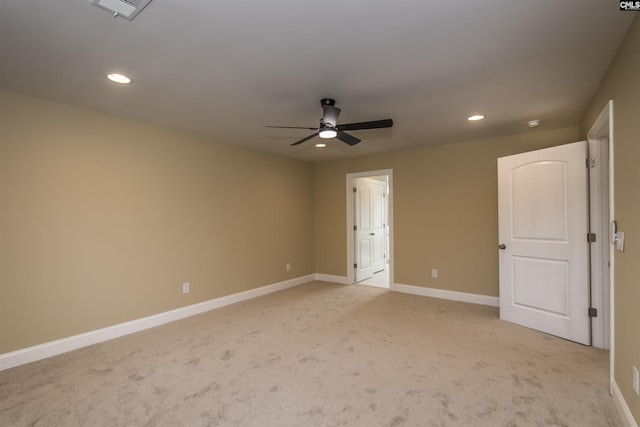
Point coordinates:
[[329, 127], [327, 133]]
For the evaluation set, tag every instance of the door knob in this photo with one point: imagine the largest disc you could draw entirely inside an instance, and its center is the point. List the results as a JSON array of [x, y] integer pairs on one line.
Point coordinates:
[[373, 234], [502, 246]]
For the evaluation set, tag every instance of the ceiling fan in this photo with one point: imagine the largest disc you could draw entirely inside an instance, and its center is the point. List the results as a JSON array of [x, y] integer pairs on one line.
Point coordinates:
[[329, 127]]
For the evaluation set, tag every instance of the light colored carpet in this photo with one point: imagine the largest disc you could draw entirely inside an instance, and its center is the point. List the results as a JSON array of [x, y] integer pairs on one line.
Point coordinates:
[[379, 279], [320, 355]]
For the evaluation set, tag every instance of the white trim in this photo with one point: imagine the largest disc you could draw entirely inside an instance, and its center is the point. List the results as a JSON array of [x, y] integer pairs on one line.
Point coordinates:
[[603, 128], [622, 407], [42, 351], [350, 181], [343, 280], [599, 250], [443, 294]]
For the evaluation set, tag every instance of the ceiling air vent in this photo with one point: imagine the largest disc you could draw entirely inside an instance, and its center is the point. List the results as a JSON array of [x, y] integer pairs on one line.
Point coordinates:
[[128, 9]]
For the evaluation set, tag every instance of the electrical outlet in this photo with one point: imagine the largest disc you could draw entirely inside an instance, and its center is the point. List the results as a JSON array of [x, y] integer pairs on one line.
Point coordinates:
[[434, 273], [185, 288], [287, 266], [636, 380]]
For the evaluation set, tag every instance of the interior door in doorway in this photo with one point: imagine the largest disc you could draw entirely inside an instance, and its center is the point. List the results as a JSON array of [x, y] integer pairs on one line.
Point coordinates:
[[544, 269], [369, 231]]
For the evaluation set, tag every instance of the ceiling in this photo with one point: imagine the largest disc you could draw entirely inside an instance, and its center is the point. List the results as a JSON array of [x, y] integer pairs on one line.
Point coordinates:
[[224, 69]]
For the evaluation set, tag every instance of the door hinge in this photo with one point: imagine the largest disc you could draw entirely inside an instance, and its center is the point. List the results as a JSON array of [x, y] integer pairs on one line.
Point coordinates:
[[355, 228], [591, 237], [591, 163], [355, 265], [354, 189], [593, 312]]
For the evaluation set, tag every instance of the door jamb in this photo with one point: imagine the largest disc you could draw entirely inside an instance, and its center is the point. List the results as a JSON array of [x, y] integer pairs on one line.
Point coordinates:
[[350, 182], [603, 128], [599, 249]]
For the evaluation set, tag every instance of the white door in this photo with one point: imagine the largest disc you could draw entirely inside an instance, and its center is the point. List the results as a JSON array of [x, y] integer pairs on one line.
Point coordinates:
[[370, 227], [542, 216]]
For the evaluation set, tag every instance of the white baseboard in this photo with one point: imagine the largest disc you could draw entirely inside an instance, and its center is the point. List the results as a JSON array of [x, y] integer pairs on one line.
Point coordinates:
[[450, 295], [42, 351], [622, 407], [330, 278], [421, 291]]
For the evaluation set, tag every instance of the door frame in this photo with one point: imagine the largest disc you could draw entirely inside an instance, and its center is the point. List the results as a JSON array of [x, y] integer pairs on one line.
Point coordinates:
[[599, 249], [601, 129], [350, 182]]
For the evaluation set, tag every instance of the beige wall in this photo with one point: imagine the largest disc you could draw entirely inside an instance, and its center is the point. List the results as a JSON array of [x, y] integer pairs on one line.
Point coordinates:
[[102, 219], [445, 210], [622, 84]]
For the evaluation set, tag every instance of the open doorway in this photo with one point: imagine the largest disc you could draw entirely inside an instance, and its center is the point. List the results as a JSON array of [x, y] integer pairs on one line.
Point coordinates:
[[370, 228]]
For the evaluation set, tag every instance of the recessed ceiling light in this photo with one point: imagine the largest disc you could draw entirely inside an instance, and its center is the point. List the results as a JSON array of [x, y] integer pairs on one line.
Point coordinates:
[[321, 145], [533, 123], [475, 117], [119, 78]]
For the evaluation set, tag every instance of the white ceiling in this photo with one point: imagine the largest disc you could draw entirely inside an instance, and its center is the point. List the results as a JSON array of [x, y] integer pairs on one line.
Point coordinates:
[[227, 68]]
